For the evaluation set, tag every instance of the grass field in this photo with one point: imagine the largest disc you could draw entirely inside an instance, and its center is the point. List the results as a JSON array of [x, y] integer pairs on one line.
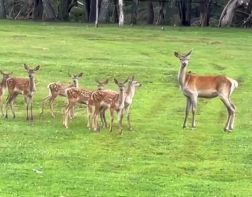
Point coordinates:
[[157, 158]]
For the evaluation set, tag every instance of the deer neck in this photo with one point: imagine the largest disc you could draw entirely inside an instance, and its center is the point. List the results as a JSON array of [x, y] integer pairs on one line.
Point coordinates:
[[76, 84], [130, 93], [182, 76], [32, 85], [121, 98]]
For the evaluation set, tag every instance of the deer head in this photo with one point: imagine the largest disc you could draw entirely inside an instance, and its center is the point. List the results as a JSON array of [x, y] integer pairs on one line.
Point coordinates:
[[75, 78], [5, 77], [134, 83], [184, 59], [120, 84], [101, 84], [31, 71]]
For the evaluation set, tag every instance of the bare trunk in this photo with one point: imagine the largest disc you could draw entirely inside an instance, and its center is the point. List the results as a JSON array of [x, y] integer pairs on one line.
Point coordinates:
[[204, 12], [96, 13], [63, 10], [49, 12], [116, 17], [161, 15], [2, 10], [92, 15], [104, 11], [121, 13], [87, 9], [135, 4], [37, 10], [150, 13], [184, 7]]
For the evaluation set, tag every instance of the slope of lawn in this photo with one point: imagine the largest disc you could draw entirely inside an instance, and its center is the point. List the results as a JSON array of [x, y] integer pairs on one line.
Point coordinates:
[[157, 158]]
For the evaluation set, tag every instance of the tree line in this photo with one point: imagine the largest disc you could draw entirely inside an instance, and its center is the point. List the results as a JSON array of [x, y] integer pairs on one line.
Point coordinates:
[[160, 12]]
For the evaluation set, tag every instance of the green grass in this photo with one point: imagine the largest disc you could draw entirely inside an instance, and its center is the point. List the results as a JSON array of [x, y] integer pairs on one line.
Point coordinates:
[[158, 158]]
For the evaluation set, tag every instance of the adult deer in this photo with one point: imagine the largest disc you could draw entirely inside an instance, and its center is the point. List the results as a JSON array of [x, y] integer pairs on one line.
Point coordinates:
[[26, 87], [58, 89], [194, 86], [108, 100], [3, 87], [79, 95]]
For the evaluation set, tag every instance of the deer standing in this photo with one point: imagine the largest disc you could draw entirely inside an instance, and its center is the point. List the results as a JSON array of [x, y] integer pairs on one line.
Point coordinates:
[[26, 87], [3, 87], [194, 86], [79, 95], [108, 100], [58, 89], [129, 95]]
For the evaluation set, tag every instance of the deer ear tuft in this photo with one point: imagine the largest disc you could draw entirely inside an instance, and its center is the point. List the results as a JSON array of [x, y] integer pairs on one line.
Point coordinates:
[[126, 80], [176, 54], [106, 81], [80, 75]]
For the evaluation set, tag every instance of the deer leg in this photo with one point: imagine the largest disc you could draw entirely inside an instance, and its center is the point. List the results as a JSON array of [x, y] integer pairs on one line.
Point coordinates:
[[72, 113], [188, 107], [230, 111], [111, 119], [120, 118], [66, 114], [43, 104], [231, 125], [194, 107], [128, 117], [51, 101], [1, 103], [11, 101], [30, 103]]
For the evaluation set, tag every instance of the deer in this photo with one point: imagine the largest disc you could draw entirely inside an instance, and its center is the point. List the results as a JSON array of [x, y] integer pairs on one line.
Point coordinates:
[[129, 95], [108, 100], [195, 86], [3, 87], [59, 89], [79, 95], [26, 87]]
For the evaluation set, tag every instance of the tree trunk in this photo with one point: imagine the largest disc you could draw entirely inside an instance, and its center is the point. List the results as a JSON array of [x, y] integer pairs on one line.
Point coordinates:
[[104, 11], [63, 10], [2, 10], [116, 17], [135, 4], [49, 12], [229, 11], [121, 13], [161, 15], [150, 13], [87, 8], [37, 10], [184, 7], [96, 13], [204, 12], [92, 15]]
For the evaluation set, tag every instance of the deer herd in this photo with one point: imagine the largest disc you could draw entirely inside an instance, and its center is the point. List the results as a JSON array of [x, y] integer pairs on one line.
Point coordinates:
[[99, 101]]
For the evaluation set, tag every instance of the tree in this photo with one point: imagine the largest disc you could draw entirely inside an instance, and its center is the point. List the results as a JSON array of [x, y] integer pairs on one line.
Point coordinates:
[[2, 9], [150, 13], [92, 14], [135, 4], [65, 7], [161, 14], [104, 11], [205, 12], [87, 7], [116, 17], [228, 12], [121, 13], [49, 12], [96, 13], [184, 7], [37, 10]]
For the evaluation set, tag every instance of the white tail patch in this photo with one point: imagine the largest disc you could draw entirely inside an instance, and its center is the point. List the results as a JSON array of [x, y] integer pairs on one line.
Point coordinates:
[[234, 84]]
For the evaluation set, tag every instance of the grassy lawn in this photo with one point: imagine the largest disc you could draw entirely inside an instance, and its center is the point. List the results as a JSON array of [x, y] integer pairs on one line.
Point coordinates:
[[157, 158]]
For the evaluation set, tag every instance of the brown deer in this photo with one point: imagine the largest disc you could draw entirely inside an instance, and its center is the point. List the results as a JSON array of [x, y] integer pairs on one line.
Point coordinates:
[[194, 86], [26, 87], [3, 87], [79, 95], [58, 89], [108, 100]]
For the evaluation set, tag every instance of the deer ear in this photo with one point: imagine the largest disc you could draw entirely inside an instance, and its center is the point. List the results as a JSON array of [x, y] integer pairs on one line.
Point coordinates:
[[115, 80], [1, 72], [97, 81], [37, 68], [133, 78], [126, 80], [26, 67], [176, 54], [80, 75], [69, 74], [188, 55]]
